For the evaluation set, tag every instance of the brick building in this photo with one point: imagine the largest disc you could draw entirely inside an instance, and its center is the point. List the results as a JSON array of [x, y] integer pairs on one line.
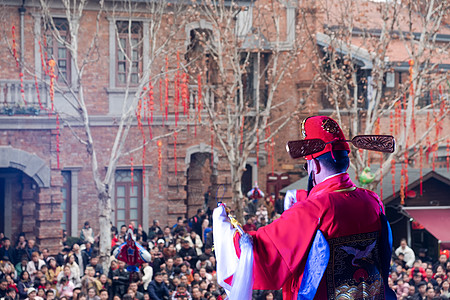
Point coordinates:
[[39, 195]]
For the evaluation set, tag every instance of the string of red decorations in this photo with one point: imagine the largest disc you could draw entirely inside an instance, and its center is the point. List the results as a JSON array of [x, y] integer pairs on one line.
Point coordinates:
[[175, 135], [14, 45], [159, 144], [38, 93], [176, 99], [448, 155], [141, 129], [151, 107], [166, 91], [199, 98], [212, 146]]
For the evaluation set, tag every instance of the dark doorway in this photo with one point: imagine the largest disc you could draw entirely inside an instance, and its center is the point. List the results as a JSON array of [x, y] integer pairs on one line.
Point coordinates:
[[246, 182], [200, 180]]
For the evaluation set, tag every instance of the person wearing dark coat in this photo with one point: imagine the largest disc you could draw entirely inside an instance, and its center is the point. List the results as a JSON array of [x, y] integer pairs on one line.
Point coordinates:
[[188, 253], [120, 279], [7, 251], [157, 289]]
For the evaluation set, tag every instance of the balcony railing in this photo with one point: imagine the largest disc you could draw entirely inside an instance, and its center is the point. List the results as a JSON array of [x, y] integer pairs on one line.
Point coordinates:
[[15, 102], [207, 96]]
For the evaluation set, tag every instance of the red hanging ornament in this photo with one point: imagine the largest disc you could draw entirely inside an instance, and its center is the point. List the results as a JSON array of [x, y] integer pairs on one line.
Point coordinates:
[[52, 64], [166, 94], [185, 93], [411, 74], [42, 57], [421, 169], [176, 99], [14, 45], [151, 108], [175, 134], [159, 144]]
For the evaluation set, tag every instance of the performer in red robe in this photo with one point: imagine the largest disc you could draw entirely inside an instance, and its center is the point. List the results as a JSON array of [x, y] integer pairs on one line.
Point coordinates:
[[333, 244]]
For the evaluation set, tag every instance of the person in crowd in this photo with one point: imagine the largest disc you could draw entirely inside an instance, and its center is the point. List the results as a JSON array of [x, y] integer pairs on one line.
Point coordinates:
[[120, 279], [7, 251], [74, 268], [147, 275], [3, 287], [188, 253], [88, 250], [104, 294], [67, 272], [155, 228], [92, 294], [65, 287], [445, 289], [261, 212], [45, 254], [81, 258], [89, 281], [53, 271], [134, 288], [11, 294], [279, 204], [195, 242], [24, 284], [50, 294], [181, 293], [31, 248], [157, 289], [269, 207], [442, 262], [197, 220], [34, 265], [169, 252], [32, 294], [409, 256], [21, 266], [250, 224], [87, 233], [93, 262]]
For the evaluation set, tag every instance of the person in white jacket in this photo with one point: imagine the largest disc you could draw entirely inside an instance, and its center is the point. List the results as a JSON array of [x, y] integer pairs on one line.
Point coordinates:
[[195, 242], [410, 257], [148, 275]]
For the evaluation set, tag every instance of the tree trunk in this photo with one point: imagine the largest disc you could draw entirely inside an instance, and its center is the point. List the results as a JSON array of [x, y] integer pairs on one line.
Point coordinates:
[[238, 198], [105, 230]]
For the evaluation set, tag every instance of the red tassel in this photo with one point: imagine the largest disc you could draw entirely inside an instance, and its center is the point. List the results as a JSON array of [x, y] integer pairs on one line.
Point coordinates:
[[14, 46], [166, 100], [176, 99], [175, 134], [52, 64]]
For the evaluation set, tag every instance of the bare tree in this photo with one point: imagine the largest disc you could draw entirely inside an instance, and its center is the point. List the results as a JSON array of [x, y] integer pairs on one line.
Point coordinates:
[[140, 48], [377, 59], [249, 54]]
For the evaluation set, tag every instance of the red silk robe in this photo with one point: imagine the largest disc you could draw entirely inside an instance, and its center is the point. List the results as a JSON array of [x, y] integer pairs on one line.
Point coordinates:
[[336, 207]]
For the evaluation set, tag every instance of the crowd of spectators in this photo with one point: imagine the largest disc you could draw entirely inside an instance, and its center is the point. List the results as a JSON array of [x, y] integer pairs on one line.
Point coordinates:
[[183, 265]]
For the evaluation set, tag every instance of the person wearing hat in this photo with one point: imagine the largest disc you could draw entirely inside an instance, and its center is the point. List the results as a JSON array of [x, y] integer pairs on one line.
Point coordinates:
[[332, 244], [32, 294]]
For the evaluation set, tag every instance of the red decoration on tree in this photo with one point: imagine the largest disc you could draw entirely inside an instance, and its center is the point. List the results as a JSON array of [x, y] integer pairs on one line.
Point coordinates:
[[52, 64], [44, 67], [185, 93], [166, 94], [161, 106], [411, 74], [151, 107], [176, 99], [159, 144], [14, 46], [175, 134]]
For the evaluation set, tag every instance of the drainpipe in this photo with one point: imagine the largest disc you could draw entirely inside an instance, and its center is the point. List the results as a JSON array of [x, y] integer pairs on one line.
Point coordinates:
[[22, 11]]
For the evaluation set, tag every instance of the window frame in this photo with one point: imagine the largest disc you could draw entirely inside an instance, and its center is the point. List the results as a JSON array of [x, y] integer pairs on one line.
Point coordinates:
[[128, 50], [137, 183], [67, 184]]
